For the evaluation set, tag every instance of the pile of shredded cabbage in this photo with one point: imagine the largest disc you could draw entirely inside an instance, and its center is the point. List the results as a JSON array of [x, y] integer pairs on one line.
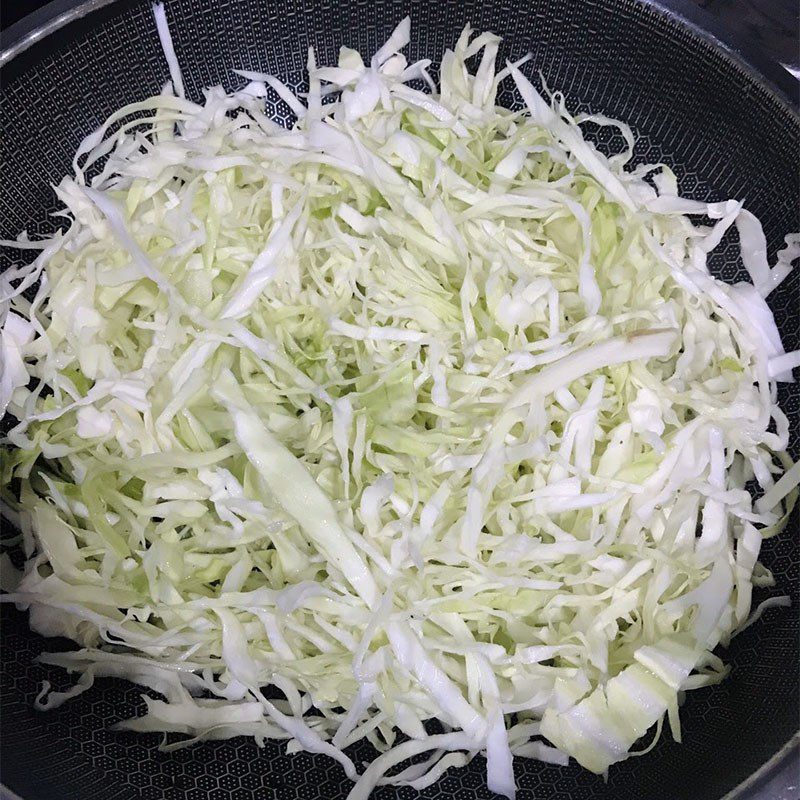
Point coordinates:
[[422, 409]]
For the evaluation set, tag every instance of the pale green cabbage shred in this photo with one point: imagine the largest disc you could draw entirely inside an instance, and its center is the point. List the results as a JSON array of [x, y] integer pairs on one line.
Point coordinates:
[[423, 409]]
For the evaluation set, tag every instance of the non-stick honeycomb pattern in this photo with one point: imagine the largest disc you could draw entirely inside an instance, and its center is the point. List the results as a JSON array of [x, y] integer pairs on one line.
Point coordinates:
[[694, 108]]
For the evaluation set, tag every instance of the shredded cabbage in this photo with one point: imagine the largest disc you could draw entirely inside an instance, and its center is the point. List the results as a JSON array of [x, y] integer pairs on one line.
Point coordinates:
[[422, 409]]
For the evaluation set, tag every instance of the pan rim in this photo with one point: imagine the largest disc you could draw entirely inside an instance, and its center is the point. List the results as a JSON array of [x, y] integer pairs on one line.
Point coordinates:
[[766, 74]]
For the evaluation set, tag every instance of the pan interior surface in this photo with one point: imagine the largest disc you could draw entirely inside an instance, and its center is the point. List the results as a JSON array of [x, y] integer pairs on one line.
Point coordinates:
[[725, 135]]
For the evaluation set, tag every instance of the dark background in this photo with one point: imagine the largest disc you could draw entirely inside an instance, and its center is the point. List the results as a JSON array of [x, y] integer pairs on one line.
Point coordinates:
[[771, 25]]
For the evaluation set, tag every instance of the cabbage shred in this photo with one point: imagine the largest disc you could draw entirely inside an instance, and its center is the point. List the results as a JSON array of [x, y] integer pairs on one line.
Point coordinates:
[[420, 409]]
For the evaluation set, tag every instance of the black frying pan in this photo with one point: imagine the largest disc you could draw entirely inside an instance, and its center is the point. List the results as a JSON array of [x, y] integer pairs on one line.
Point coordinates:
[[726, 130]]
